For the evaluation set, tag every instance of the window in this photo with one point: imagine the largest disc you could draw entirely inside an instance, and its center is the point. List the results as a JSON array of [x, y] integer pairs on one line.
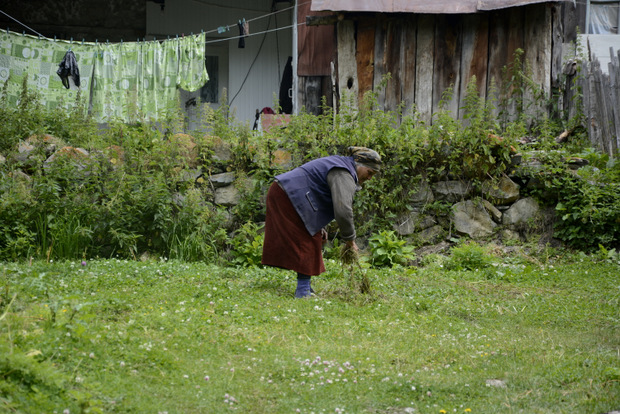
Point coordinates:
[[602, 16]]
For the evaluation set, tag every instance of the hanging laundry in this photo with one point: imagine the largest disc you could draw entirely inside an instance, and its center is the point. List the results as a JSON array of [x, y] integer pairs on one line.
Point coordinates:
[[244, 30], [24, 55], [131, 81], [158, 83], [69, 67], [192, 73], [115, 91], [135, 81]]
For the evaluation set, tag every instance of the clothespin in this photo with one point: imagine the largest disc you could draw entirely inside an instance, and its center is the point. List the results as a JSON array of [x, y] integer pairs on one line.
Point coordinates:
[[82, 41], [221, 29]]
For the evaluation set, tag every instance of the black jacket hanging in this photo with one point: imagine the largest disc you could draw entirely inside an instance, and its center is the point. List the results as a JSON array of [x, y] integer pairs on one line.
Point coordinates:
[[69, 67], [243, 32], [286, 99]]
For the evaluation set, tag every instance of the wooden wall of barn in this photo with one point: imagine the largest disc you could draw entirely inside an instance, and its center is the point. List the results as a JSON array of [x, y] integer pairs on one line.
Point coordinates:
[[427, 54]]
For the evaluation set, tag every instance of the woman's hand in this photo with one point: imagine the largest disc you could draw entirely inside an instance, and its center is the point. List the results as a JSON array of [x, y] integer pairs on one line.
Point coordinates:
[[351, 245], [324, 236]]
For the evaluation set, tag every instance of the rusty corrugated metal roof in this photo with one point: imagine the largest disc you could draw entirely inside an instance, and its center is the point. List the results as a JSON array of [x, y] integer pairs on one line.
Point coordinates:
[[418, 6]]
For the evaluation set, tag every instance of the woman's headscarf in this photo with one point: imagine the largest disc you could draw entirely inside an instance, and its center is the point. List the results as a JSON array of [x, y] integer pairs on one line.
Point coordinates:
[[365, 157]]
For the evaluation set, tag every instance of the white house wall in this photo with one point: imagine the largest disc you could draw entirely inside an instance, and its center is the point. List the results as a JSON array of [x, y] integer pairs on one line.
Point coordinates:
[[263, 80]]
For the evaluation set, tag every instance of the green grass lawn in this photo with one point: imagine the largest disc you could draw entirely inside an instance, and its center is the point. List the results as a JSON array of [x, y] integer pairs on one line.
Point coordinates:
[[521, 336]]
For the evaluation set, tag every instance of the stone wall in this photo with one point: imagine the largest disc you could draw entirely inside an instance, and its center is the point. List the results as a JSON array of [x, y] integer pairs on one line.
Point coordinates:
[[494, 210]]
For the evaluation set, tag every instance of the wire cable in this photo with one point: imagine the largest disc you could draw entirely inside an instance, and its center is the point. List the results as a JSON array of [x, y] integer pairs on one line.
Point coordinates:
[[225, 39], [29, 28], [260, 17], [252, 65]]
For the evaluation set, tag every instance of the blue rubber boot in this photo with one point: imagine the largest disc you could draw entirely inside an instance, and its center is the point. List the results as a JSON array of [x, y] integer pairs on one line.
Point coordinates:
[[303, 286]]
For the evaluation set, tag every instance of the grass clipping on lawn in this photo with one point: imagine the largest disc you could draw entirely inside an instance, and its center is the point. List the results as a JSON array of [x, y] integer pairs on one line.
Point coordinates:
[[351, 263]]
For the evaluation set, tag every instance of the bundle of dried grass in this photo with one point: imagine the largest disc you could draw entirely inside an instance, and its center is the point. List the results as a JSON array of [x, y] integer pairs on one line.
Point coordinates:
[[348, 256], [350, 261]]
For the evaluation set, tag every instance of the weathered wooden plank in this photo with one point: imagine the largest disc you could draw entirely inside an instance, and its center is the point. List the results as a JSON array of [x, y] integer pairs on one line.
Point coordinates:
[[475, 54], [408, 63], [447, 62], [365, 55], [613, 102], [321, 20], [505, 37], [393, 53], [425, 60], [347, 65], [616, 102], [602, 85], [311, 87], [537, 57], [381, 34], [557, 46], [595, 130]]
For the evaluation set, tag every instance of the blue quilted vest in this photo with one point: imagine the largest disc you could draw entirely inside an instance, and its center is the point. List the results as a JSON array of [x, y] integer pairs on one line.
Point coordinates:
[[307, 188]]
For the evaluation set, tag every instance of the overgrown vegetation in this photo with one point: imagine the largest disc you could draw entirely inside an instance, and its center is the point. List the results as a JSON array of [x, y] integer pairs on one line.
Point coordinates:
[[144, 190]]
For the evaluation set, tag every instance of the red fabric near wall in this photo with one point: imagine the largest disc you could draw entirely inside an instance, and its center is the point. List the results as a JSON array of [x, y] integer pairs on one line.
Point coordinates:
[[287, 242]]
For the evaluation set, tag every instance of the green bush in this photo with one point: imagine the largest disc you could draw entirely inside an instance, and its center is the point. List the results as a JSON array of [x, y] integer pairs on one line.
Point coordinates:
[[386, 249], [469, 256]]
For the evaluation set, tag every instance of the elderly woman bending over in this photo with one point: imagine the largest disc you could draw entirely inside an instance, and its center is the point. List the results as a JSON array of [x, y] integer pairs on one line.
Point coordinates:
[[301, 202]]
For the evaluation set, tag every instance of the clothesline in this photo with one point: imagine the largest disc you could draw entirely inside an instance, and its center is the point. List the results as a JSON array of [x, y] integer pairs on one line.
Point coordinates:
[[115, 81], [227, 27], [257, 18], [29, 28], [253, 34]]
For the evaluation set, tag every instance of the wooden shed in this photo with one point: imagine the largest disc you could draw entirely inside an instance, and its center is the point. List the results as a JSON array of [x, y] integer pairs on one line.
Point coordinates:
[[426, 47]]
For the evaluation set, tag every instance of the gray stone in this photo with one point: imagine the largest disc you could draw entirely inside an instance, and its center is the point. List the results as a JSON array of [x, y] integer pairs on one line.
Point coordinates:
[[508, 234], [430, 235], [24, 150], [2, 159], [77, 156], [21, 177], [521, 212], [452, 191], [222, 180], [502, 192], [48, 142], [493, 211], [222, 151], [228, 196], [412, 222], [472, 219], [191, 175], [423, 194]]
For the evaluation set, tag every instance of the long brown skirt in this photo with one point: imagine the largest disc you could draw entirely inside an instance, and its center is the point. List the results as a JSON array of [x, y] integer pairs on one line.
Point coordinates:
[[287, 242]]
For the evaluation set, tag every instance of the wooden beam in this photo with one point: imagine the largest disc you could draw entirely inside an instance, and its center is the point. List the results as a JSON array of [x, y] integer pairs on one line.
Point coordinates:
[[321, 20]]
